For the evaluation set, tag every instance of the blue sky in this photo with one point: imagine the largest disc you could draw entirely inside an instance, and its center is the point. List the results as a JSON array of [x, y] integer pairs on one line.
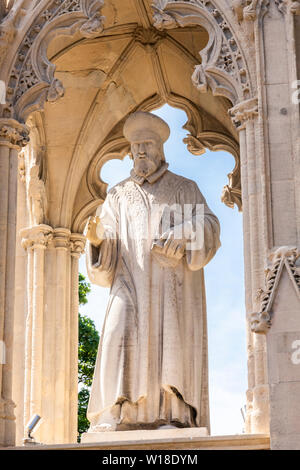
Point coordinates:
[[224, 276]]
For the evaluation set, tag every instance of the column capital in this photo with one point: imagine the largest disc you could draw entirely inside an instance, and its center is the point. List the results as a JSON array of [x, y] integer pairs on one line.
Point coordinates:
[[43, 235], [78, 242], [61, 238], [13, 134], [243, 112], [36, 237]]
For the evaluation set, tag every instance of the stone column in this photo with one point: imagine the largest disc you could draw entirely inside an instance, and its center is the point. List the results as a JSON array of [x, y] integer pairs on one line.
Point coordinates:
[[35, 241], [247, 118], [278, 138], [77, 248], [51, 369], [20, 304], [13, 136]]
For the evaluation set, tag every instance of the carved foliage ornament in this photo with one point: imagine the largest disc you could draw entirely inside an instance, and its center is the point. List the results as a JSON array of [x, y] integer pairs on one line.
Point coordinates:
[[223, 68], [32, 79], [13, 134], [249, 9], [36, 237], [283, 258], [243, 112], [292, 6], [41, 236], [78, 242]]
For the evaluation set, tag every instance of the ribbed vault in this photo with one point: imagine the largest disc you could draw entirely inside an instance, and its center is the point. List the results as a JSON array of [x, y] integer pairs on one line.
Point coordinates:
[[130, 66]]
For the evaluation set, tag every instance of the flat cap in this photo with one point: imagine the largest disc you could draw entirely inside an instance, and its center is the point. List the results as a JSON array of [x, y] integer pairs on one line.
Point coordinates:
[[141, 125]]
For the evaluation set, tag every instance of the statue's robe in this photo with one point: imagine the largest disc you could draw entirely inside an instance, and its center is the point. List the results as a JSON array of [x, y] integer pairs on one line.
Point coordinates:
[[152, 366]]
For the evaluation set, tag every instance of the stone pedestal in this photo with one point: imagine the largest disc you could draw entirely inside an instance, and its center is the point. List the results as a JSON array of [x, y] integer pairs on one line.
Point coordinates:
[[152, 440], [140, 437]]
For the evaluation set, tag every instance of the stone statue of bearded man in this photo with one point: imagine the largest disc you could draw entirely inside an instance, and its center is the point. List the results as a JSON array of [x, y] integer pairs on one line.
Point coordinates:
[[151, 368]]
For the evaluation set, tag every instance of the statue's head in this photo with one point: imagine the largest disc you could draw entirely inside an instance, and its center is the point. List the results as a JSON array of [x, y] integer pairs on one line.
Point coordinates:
[[147, 134]]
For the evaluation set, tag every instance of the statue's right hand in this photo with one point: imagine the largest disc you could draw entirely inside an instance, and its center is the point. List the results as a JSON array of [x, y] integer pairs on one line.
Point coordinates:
[[92, 230]]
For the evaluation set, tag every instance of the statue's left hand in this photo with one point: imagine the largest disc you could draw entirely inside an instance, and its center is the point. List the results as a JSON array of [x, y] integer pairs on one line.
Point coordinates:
[[170, 246]]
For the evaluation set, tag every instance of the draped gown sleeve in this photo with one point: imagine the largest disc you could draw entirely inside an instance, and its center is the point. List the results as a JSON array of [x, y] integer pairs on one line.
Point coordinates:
[[102, 261], [201, 227]]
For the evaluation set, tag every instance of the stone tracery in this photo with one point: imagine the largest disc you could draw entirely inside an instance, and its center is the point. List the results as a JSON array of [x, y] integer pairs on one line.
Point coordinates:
[[32, 66], [222, 52]]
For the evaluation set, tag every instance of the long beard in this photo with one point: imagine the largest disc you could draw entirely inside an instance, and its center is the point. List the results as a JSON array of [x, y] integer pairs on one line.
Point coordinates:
[[145, 167]]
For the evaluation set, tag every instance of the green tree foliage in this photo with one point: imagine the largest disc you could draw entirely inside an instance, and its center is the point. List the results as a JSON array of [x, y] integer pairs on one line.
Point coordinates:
[[84, 289], [87, 353], [87, 350]]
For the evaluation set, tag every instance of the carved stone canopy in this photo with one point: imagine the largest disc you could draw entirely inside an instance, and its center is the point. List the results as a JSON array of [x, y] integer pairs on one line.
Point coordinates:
[[222, 69], [104, 69]]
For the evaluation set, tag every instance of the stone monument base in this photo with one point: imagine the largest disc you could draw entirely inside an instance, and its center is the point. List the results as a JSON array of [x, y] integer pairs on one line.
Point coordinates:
[[150, 437], [186, 439]]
